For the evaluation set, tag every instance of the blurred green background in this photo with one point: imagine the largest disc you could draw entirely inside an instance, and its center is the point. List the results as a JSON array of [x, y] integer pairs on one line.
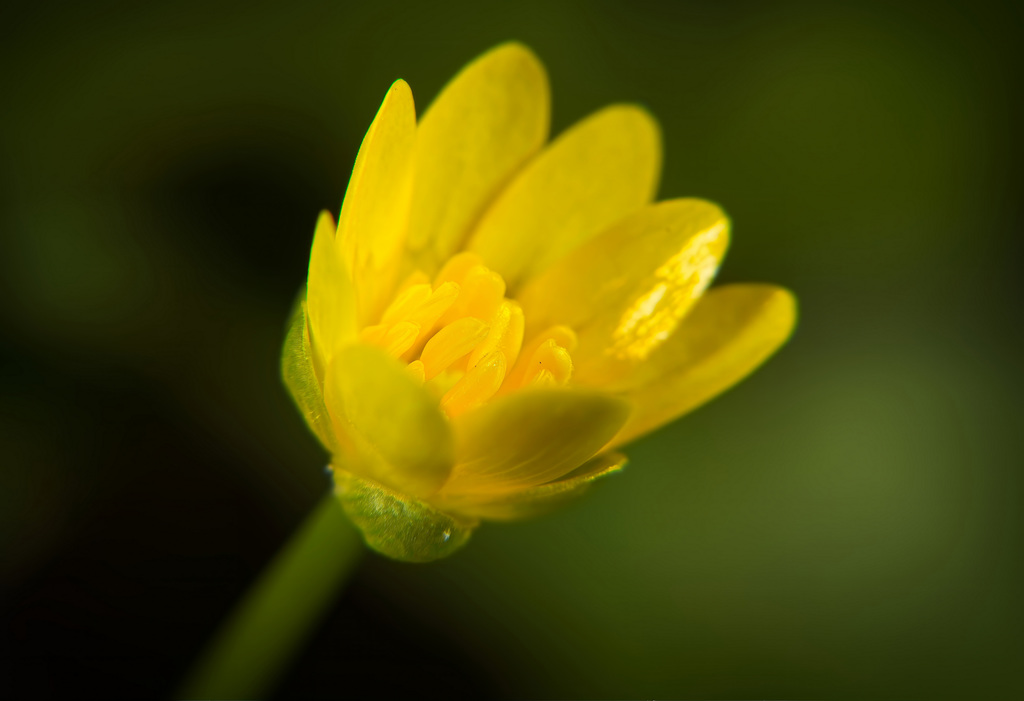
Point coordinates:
[[844, 524]]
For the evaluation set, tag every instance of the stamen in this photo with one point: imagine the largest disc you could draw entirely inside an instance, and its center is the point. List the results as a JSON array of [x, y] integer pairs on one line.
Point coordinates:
[[485, 290], [479, 385], [451, 343], [444, 381], [551, 358], [440, 300], [506, 334], [415, 368], [544, 378], [400, 337], [463, 340], [374, 335], [407, 302], [431, 310], [562, 336], [482, 293], [395, 339], [456, 268]]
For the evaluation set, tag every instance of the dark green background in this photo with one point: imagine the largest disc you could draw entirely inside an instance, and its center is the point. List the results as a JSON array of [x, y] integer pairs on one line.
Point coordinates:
[[845, 524]]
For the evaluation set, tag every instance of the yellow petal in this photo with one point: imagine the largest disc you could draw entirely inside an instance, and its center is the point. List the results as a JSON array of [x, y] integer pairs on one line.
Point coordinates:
[[476, 135], [529, 438], [593, 175], [371, 226], [541, 499], [330, 300], [400, 436], [299, 375], [730, 331], [625, 291]]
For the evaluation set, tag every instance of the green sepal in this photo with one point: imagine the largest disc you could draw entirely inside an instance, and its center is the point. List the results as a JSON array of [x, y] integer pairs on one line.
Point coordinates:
[[398, 526], [300, 378]]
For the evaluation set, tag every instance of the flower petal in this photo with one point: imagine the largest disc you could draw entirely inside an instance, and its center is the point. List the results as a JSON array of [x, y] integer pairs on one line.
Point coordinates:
[[401, 438], [625, 291], [729, 332], [398, 526], [593, 175], [541, 499], [371, 226], [300, 378], [330, 300], [529, 438], [478, 132]]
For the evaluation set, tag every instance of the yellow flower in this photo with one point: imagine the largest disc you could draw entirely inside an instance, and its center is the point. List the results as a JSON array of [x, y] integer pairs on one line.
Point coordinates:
[[491, 319]]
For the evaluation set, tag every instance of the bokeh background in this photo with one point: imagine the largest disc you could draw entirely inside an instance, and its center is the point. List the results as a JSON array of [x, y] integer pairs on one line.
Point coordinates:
[[844, 524]]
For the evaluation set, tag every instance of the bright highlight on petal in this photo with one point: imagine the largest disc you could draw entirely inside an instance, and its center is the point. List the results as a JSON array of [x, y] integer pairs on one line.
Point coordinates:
[[489, 319], [731, 330], [626, 290]]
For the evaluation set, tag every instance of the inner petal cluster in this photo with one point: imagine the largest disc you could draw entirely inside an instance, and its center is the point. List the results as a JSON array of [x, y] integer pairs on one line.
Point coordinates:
[[463, 339]]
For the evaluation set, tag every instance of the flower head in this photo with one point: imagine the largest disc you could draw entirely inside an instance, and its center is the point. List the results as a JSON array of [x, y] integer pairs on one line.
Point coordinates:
[[492, 318]]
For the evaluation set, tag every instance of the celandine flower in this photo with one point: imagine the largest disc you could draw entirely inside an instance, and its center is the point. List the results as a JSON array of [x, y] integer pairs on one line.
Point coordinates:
[[491, 319]]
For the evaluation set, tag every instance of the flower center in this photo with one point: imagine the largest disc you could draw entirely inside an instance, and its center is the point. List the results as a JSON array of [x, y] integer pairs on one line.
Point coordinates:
[[463, 338]]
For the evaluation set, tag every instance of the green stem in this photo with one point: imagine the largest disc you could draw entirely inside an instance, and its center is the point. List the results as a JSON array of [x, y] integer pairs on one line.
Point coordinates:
[[254, 646]]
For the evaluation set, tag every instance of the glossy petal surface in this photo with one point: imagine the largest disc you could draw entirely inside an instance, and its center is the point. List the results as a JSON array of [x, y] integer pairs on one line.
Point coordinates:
[[600, 170], [484, 125], [529, 438], [731, 330], [399, 432], [625, 291], [330, 299], [371, 227]]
